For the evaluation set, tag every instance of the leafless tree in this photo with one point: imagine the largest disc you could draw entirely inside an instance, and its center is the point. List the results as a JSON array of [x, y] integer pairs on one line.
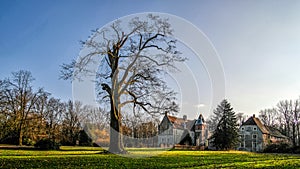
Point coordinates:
[[269, 117], [54, 117], [71, 123], [285, 108], [134, 61], [295, 122], [19, 100], [240, 118]]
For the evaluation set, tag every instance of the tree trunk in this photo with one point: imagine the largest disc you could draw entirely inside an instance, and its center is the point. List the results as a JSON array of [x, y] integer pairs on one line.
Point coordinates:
[[20, 137], [116, 142], [294, 134], [298, 134]]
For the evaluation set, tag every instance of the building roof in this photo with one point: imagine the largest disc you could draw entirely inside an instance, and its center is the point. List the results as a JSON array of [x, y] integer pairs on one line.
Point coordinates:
[[274, 132], [200, 120], [178, 123], [255, 121]]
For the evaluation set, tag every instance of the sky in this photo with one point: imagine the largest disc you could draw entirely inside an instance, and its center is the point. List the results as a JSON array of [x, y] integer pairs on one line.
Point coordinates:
[[257, 42]]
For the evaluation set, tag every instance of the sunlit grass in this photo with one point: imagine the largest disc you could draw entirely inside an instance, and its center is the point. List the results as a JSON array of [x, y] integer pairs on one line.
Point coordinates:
[[91, 157]]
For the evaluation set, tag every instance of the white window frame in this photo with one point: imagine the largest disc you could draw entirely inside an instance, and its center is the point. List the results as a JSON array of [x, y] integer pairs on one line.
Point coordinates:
[[254, 135], [254, 128]]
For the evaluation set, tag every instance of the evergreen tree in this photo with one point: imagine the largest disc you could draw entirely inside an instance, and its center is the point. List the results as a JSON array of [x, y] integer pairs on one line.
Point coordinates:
[[226, 134]]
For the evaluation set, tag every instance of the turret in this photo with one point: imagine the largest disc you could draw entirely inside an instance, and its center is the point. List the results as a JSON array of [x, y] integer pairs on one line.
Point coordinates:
[[200, 128], [200, 120]]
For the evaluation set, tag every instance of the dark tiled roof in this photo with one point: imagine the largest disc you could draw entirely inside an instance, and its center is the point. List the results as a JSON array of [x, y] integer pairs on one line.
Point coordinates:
[[255, 121], [274, 132]]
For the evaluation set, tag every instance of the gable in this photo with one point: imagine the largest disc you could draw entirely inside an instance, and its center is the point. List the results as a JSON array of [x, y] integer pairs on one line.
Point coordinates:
[[255, 121]]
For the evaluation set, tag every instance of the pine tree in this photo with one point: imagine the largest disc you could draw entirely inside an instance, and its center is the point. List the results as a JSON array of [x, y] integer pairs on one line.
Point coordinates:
[[226, 134]]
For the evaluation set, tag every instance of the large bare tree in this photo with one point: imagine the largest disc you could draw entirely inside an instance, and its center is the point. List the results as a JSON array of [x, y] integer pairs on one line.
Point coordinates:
[[135, 59]]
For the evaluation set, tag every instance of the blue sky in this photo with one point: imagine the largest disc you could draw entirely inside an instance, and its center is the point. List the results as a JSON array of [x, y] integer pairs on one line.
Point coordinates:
[[258, 42]]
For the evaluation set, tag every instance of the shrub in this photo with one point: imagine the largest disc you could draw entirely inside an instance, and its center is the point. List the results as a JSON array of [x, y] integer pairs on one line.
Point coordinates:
[[28, 142], [47, 144], [278, 148], [296, 150], [84, 139]]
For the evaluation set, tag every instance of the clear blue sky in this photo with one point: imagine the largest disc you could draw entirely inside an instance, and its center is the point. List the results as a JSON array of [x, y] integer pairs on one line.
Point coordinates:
[[258, 42]]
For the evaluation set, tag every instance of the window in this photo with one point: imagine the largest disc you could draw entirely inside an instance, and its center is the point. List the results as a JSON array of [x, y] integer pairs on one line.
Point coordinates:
[[243, 128], [254, 129], [254, 136]]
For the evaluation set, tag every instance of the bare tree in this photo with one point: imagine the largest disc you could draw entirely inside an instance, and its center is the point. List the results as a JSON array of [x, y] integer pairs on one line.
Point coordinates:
[[71, 123], [269, 117], [134, 62], [19, 100], [285, 108], [295, 122], [240, 118], [54, 117]]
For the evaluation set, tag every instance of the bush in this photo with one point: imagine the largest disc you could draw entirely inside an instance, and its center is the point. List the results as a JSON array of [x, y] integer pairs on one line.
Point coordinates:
[[84, 139], [278, 148], [47, 144], [28, 142], [296, 150]]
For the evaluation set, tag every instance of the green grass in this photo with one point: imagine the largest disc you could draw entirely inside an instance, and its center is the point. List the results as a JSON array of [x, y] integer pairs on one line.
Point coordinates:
[[91, 157]]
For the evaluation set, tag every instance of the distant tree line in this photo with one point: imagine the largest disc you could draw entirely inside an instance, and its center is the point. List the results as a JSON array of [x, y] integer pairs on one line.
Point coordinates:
[[28, 115]]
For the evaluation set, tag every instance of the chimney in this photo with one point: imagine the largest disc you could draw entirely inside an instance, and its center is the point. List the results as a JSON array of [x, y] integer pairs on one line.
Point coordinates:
[[253, 115], [166, 113], [184, 117]]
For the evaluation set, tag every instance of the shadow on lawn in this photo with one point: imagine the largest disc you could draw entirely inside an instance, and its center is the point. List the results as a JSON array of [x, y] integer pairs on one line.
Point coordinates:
[[12, 147], [15, 147]]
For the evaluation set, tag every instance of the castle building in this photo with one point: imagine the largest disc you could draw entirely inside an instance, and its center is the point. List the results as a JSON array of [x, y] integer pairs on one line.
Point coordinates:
[[174, 130]]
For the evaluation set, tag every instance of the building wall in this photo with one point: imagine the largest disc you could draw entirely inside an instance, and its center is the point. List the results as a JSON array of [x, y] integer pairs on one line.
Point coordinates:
[[166, 134], [177, 133], [252, 139], [201, 135]]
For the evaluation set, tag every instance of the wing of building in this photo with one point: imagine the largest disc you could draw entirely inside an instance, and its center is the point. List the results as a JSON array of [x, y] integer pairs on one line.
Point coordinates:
[[174, 130]]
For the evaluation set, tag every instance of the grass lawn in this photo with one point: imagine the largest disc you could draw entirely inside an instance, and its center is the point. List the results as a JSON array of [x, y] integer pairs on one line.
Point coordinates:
[[90, 157]]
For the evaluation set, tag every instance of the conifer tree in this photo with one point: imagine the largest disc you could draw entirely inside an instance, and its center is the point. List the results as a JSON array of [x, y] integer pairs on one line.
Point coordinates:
[[226, 134]]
